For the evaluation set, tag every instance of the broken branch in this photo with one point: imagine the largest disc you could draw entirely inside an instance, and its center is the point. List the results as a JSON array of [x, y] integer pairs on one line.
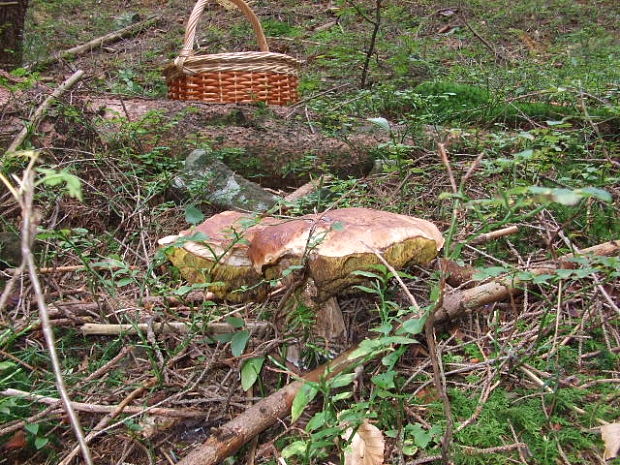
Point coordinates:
[[40, 111], [89, 329], [96, 408], [99, 41]]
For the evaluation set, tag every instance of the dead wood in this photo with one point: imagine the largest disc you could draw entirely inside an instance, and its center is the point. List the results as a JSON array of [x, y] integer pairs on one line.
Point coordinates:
[[40, 111], [227, 439], [97, 408], [283, 151], [99, 41], [260, 328], [458, 302], [495, 234]]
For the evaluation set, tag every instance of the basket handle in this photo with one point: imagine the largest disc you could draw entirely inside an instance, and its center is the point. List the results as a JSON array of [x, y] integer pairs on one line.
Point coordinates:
[[192, 23]]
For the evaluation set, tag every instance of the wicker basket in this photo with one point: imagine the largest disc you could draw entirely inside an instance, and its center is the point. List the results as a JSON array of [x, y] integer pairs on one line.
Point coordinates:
[[232, 77]]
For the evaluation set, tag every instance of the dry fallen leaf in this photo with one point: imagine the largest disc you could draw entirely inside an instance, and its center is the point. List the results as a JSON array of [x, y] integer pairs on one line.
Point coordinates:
[[611, 437], [16, 442], [367, 446]]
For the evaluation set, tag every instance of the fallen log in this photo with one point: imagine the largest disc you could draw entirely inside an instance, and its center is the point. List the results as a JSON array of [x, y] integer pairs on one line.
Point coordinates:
[[458, 302], [132, 29], [227, 439]]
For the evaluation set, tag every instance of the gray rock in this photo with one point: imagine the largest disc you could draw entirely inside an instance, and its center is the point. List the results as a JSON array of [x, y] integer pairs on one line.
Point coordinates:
[[206, 179]]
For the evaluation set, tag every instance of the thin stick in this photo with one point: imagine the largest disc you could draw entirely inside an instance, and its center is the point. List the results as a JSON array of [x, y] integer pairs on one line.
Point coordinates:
[[306, 189], [99, 41], [494, 450], [48, 332], [408, 293], [105, 421], [486, 237], [175, 327], [376, 23], [541, 384], [40, 111], [73, 268], [441, 148], [97, 408]]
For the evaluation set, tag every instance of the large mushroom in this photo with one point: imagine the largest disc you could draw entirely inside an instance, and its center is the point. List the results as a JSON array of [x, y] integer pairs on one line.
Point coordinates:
[[237, 252]]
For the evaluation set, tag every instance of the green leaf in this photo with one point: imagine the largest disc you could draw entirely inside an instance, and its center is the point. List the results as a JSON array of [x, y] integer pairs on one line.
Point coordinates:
[[341, 396], [421, 436], [193, 215], [293, 449], [183, 290], [304, 396], [40, 443], [384, 380], [238, 342], [367, 274], [32, 428], [409, 448], [317, 421], [597, 193], [250, 370], [338, 226], [342, 380], [6, 365], [235, 322], [490, 272], [381, 122], [413, 326], [124, 282], [54, 178], [524, 155]]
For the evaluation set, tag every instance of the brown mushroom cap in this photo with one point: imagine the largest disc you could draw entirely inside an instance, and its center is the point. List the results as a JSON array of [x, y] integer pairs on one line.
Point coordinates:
[[339, 233], [339, 242], [220, 256]]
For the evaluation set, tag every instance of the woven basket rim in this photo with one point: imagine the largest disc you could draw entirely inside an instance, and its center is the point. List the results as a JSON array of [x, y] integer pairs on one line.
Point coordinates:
[[244, 57], [278, 63]]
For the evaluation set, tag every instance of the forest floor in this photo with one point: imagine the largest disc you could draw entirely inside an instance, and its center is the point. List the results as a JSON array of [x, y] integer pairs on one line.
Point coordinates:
[[522, 98]]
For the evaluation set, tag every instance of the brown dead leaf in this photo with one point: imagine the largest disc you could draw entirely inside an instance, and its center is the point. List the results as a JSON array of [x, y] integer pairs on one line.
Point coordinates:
[[16, 442], [611, 437], [367, 446]]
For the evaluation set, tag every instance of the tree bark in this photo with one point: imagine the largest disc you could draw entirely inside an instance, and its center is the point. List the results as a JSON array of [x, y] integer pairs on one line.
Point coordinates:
[[12, 16]]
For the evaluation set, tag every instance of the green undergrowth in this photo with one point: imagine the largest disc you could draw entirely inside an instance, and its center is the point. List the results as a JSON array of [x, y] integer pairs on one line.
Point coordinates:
[[536, 119]]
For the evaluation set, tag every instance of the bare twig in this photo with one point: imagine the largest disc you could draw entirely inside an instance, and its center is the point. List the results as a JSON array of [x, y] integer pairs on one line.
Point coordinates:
[[40, 111], [486, 237], [99, 41], [439, 381], [89, 329], [73, 268], [443, 155], [376, 23], [97, 408], [486, 43], [25, 200]]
